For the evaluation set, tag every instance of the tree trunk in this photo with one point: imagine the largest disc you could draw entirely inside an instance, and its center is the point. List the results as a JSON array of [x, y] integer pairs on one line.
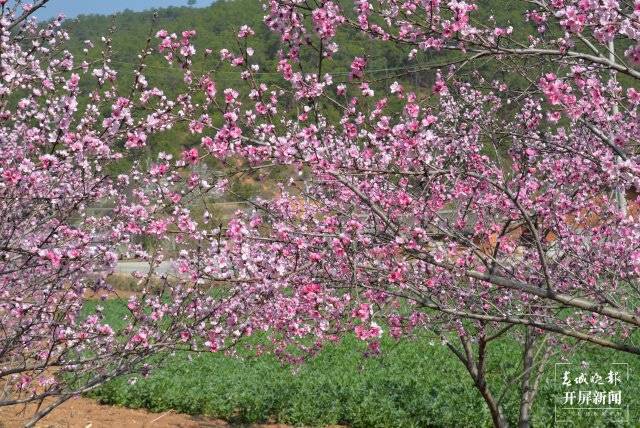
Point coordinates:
[[497, 416], [477, 372], [532, 372], [526, 394]]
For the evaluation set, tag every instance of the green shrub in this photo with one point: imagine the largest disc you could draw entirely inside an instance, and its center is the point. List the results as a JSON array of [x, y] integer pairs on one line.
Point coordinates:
[[412, 384]]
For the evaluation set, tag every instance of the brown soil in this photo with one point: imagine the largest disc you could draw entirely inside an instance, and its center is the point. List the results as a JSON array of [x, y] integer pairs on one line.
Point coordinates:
[[86, 413]]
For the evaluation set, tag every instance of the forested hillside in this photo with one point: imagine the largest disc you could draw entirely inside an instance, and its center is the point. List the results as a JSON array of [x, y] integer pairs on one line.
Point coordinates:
[[217, 25]]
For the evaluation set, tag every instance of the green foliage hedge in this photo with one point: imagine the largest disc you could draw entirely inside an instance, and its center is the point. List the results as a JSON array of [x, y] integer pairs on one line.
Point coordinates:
[[415, 383]]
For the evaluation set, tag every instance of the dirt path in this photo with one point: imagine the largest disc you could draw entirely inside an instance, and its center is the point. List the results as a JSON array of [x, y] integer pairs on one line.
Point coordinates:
[[86, 413]]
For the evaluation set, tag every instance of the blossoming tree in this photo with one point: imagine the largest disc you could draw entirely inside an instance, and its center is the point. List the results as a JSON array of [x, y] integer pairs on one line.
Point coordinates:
[[484, 206], [65, 126]]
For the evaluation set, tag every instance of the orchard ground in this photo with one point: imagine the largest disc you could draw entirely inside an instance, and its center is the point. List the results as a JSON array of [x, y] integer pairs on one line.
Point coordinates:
[[412, 383], [83, 412]]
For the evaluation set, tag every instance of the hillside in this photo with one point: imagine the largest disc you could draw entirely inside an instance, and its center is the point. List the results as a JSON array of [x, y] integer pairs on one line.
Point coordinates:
[[217, 26]]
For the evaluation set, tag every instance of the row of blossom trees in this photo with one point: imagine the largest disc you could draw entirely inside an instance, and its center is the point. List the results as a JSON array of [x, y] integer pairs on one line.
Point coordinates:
[[479, 208]]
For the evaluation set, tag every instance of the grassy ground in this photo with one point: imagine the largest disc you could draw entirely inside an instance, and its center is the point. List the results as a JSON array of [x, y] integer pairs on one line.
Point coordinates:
[[412, 384]]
